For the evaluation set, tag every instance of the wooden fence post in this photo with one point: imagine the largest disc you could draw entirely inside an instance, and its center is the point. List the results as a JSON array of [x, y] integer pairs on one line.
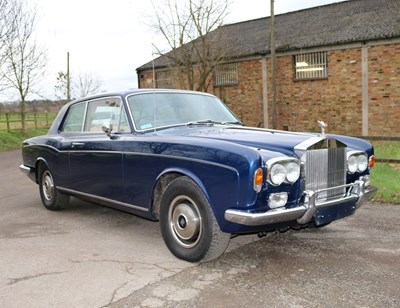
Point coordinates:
[[35, 117], [8, 122]]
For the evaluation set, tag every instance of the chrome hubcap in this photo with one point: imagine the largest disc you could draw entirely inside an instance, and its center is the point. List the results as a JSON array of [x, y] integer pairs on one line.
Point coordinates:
[[185, 221], [48, 186]]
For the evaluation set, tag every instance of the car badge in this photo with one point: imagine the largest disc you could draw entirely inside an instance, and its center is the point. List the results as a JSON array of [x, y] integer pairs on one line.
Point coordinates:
[[323, 125]]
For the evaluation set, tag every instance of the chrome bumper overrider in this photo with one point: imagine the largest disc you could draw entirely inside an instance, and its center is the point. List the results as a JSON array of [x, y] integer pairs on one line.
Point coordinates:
[[24, 169], [28, 171], [357, 193]]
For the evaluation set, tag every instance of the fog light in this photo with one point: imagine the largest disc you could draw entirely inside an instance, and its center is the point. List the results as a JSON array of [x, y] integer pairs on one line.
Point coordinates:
[[277, 200]]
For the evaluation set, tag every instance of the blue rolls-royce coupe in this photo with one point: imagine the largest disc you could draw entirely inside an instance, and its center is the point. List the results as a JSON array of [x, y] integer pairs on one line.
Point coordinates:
[[184, 159]]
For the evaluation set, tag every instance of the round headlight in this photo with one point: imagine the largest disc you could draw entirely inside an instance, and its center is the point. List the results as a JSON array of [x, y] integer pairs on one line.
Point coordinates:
[[277, 174], [362, 162], [352, 164], [292, 172]]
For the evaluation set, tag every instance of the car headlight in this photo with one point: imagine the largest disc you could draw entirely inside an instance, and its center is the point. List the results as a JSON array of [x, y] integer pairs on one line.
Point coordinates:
[[357, 162], [277, 174], [292, 172], [282, 170]]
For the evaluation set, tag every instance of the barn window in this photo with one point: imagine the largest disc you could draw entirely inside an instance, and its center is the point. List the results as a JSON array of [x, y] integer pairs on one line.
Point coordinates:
[[311, 65], [226, 74]]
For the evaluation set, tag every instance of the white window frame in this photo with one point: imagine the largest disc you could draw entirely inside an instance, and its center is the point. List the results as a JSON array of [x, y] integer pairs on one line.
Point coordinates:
[[226, 74], [313, 65]]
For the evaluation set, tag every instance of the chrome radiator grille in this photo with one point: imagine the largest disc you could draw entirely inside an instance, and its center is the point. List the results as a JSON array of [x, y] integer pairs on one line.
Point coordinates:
[[326, 168]]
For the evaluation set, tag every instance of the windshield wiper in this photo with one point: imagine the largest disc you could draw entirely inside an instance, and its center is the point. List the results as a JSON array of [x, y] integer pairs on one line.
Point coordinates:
[[213, 122], [233, 123]]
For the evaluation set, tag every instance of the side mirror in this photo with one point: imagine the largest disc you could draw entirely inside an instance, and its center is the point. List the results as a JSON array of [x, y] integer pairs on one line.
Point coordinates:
[[107, 128]]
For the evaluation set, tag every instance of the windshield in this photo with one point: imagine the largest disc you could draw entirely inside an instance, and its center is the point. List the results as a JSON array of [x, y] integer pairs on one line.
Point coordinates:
[[156, 110]]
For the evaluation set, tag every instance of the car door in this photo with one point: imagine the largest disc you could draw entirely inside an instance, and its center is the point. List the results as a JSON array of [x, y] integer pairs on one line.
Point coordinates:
[[95, 158]]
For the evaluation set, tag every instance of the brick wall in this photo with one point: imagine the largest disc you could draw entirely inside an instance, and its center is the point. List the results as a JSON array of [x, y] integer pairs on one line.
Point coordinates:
[[245, 98], [337, 100], [384, 90]]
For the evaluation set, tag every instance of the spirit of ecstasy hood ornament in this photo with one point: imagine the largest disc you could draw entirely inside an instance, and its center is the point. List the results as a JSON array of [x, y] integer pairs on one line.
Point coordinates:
[[323, 125]]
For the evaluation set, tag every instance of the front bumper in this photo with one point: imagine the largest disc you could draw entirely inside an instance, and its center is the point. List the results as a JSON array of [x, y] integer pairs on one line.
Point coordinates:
[[357, 194]]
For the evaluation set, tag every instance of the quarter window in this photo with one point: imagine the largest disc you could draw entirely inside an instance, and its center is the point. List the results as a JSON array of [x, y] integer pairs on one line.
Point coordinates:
[[311, 65], [226, 74], [74, 119]]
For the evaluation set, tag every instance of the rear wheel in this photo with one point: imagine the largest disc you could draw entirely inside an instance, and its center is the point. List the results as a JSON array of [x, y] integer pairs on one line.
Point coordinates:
[[188, 225], [52, 199]]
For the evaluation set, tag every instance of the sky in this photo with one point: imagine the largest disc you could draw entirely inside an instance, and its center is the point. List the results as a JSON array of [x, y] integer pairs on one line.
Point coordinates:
[[110, 39]]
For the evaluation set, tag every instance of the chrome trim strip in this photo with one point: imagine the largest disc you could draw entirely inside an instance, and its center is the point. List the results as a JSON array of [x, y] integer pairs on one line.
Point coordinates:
[[137, 154], [303, 146], [78, 193], [304, 213]]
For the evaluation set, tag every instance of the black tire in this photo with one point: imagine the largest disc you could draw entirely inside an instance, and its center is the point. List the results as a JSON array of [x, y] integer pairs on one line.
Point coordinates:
[[188, 225], [52, 199]]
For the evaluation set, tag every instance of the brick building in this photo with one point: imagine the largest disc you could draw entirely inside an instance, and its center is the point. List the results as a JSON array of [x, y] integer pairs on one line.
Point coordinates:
[[338, 62]]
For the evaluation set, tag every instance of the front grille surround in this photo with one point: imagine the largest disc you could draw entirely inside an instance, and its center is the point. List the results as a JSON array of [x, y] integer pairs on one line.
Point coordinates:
[[326, 168], [324, 165]]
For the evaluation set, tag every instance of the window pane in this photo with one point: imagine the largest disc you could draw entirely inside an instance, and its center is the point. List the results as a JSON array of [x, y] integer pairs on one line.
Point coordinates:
[[101, 111], [153, 110], [311, 65], [123, 122], [226, 74], [74, 119]]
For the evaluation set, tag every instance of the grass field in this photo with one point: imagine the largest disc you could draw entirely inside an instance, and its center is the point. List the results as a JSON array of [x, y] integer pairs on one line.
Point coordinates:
[[14, 139], [385, 176]]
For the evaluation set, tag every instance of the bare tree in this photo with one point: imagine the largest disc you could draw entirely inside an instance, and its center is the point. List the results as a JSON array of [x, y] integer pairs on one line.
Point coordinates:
[[83, 85], [24, 60], [7, 26], [195, 49], [87, 84], [60, 89]]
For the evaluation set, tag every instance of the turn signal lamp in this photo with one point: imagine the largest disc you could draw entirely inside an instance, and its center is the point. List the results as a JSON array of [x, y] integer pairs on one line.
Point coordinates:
[[371, 162], [258, 179]]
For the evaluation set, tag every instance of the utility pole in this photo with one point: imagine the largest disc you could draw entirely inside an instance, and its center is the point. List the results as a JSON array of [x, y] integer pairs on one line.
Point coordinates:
[[273, 68], [68, 80]]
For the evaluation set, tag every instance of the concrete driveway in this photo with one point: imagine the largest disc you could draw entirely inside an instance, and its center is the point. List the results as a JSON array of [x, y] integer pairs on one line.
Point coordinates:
[[91, 256], [83, 256]]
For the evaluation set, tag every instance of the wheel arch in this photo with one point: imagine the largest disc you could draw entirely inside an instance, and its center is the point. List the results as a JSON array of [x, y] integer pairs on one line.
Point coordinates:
[[162, 182], [39, 161]]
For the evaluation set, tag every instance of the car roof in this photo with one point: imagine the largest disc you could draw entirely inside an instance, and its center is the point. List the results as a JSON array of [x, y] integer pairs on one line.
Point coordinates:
[[135, 91]]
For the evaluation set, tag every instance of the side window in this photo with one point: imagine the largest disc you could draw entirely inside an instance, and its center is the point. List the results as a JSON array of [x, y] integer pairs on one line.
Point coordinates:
[[123, 122], [74, 119], [106, 110]]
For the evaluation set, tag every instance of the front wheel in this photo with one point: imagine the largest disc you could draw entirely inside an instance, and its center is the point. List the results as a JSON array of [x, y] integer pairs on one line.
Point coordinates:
[[188, 225], [52, 199]]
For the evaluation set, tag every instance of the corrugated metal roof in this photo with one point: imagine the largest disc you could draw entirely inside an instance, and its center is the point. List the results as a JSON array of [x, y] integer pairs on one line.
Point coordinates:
[[333, 24]]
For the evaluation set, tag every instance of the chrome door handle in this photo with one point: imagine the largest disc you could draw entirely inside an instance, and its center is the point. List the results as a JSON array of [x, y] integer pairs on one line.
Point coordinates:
[[77, 144]]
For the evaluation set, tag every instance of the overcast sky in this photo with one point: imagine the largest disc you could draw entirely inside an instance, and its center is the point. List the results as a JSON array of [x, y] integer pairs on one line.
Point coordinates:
[[112, 38]]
